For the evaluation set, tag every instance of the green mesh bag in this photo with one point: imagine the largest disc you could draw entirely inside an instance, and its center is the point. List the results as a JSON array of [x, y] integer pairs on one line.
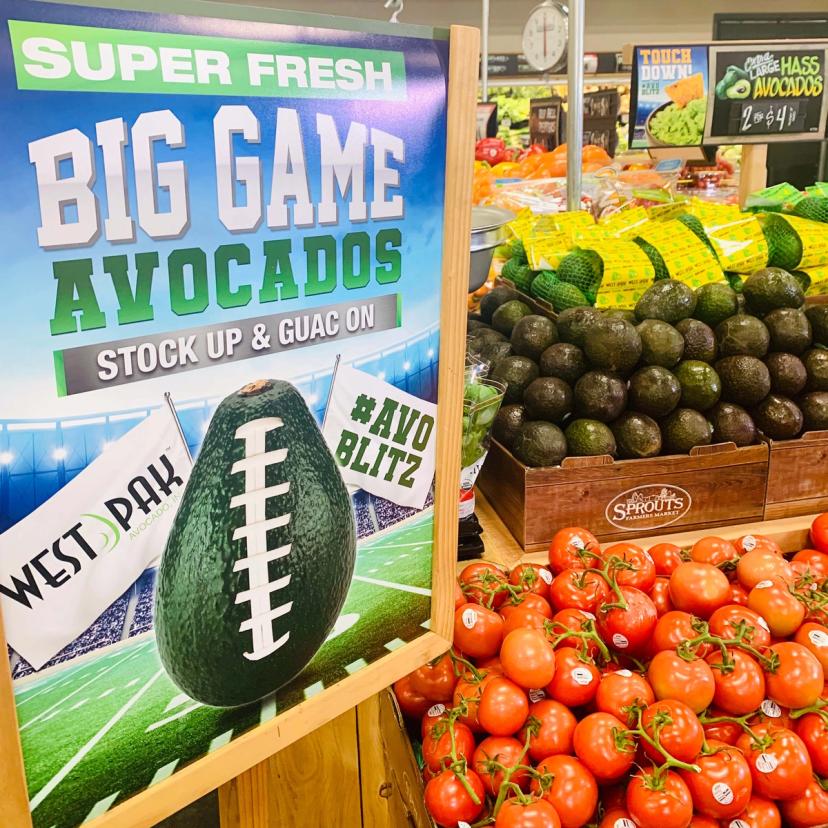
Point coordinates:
[[584, 269], [784, 244], [565, 296], [812, 207], [655, 258], [518, 251], [543, 284], [697, 229], [520, 275]]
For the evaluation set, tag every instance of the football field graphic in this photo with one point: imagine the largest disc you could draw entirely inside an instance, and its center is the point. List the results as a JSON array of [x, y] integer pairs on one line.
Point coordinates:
[[106, 727]]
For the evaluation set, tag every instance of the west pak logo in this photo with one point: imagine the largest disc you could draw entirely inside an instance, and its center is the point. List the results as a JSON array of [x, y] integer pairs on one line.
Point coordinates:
[[648, 507], [145, 498]]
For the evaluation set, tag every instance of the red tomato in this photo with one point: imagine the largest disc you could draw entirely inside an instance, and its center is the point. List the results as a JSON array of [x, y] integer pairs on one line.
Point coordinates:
[[728, 621], [498, 750], [436, 679], [523, 617], [774, 602], [573, 792], [535, 814], [747, 543], [448, 802], [484, 583], [619, 691], [699, 588], [691, 682], [528, 658], [813, 731], [663, 802], [617, 818], [628, 630], [642, 573], [468, 690], [819, 532], [672, 629], [437, 744], [576, 681], [813, 561], [573, 619], [722, 788], [740, 689], [660, 596], [738, 594], [810, 808], [552, 726], [726, 732], [700, 821], [761, 564], [527, 600], [578, 589], [760, 813], [435, 713], [678, 727], [478, 632], [604, 745], [666, 557], [503, 707], [570, 549], [715, 551], [799, 678], [531, 577], [459, 598], [412, 703], [815, 638], [779, 762]]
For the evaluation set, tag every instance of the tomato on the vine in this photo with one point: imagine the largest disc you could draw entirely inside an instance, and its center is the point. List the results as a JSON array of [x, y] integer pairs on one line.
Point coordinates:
[[660, 596], [798, 678], [809, 809], [673, 628], [467, 694], [738, 594], [673, 677], [616, 818], [478, 631], [815, 638], [523, 617], [436, 679], [732, 620], [622, 690], [551, 726], [666, 557], [499, 750], [628, 630], [772, 599], [573, 792], [715, 551], [740, 682], [779, 761], [811, 561], [459, 598], [413, 704], [747, 543], [813, 730], [634, 566], [484, 583], [659, 800], [727, 732], [699, 588], [577, 621], [437, 744], [526, 601], [761, 564], [503, 707], [578, 589], [678, 728], [528, 658], [575, 682], [760, 813], [448, 802], [819, 532], [723, 785], [570, 549], [605, 746], [531, 577], [537, 813]]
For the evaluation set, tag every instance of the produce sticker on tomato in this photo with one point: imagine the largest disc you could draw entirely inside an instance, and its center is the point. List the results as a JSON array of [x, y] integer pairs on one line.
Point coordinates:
[[220, 357]]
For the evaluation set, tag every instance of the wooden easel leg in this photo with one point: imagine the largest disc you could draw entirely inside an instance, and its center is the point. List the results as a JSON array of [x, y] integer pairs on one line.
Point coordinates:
[[244, 801], [753, 175]]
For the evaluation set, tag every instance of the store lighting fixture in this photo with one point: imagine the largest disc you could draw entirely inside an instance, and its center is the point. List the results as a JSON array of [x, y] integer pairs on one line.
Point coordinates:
[[381, 375], [5, 458], [406, 366], [430, 353], [60, 453]]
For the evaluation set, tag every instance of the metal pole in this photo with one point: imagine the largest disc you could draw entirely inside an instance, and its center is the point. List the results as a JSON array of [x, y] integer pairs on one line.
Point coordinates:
[[484, 52], [575, 104]]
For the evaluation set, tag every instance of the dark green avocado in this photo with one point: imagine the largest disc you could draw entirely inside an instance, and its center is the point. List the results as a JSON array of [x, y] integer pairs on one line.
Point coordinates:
[[261, 553]]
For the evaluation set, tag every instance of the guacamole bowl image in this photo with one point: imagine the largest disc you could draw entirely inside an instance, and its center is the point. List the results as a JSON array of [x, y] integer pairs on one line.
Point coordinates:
[[671, 125]]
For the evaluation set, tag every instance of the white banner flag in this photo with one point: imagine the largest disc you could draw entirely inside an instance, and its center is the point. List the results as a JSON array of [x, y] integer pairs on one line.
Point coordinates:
[[64, 564], [382, 438]]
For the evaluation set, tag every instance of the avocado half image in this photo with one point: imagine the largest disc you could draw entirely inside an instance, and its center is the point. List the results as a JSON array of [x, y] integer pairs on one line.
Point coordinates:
[[261, 554]]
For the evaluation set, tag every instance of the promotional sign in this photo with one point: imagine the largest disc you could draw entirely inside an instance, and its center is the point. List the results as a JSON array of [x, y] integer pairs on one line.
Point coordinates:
[[545, 122], [206, 219], [768, 93], [669, 88]]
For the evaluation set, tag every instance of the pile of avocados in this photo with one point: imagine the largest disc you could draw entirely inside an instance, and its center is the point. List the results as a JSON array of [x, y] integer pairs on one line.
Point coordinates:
[[685, 368]]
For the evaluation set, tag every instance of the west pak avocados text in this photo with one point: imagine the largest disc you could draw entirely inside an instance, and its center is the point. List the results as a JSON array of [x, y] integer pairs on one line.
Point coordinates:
[[361, 166]]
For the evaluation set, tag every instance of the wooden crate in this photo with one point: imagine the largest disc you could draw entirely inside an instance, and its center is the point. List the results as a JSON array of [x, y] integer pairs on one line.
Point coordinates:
[[798, 476], [623, 499]]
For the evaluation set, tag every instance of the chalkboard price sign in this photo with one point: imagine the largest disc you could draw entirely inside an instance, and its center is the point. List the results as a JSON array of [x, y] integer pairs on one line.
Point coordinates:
[[767, 92]]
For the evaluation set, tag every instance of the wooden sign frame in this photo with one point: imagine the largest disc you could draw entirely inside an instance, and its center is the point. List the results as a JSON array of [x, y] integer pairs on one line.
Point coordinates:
[[247, 750]]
